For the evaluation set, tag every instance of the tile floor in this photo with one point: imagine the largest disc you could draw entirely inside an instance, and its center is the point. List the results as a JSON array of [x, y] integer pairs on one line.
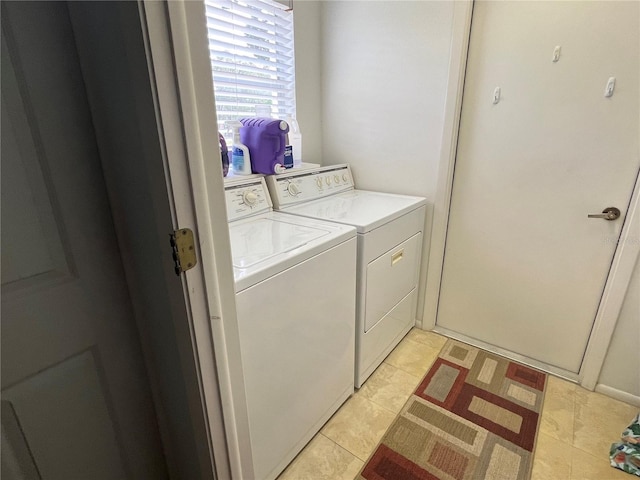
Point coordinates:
[[576, 430]]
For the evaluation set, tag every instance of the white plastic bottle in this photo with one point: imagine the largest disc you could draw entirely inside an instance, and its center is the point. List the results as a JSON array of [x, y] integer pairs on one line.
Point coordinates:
[[295, 140], [240, 158]]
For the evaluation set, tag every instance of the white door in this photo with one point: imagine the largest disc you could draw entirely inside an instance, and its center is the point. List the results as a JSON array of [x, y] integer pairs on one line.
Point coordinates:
[[524, 267], [75, 396]]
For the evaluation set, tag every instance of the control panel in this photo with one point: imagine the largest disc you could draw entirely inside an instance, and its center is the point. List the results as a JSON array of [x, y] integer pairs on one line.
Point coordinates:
[[293, 188], [246, 198]]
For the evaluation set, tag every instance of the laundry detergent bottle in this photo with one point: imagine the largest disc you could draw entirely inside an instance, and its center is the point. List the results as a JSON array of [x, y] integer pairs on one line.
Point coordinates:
[[267, 140], [240, 156], [295, 140]]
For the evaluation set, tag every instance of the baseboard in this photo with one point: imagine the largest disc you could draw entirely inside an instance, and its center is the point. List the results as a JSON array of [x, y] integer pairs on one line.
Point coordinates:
[[618, 394], [558, 372]]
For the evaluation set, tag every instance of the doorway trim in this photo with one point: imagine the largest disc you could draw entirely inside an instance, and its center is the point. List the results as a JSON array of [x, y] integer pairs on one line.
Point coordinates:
[[613, 295], [625, 256], [461, 30], [186, 99]]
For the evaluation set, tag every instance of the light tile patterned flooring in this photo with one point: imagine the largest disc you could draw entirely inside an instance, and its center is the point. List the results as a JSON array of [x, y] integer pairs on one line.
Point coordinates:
[[576, 430]]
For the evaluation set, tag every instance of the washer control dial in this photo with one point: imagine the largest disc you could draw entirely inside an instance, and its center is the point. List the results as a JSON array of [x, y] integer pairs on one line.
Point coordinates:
[[336, 178], [249, 198], [328, 180], [293, 189], [319, 182]]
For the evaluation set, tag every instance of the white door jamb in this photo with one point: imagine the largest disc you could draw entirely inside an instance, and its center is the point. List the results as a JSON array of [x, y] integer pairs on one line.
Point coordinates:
[[461, 29], [615, 289], [177, 41]]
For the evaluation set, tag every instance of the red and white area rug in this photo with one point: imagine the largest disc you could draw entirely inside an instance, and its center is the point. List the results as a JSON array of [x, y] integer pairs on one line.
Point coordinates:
[[475, 415]]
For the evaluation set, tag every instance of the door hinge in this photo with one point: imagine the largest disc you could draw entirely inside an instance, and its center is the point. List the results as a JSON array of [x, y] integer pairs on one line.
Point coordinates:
[[184, 250]]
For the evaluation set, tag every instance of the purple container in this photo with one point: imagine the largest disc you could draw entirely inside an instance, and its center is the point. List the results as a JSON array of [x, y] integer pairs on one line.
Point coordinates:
[[266, 139]]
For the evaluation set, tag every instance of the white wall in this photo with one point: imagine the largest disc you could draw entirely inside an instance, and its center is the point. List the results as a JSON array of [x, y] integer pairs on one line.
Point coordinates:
[[307, 40], [620, 370], [384, 67], [371, 79]]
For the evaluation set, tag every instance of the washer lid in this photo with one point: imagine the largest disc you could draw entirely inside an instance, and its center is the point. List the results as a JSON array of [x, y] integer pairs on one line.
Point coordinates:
[[265, 245], [263, 238], [361, 208]]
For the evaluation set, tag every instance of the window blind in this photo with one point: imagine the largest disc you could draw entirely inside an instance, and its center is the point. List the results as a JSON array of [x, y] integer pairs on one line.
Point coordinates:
[[252, 58]]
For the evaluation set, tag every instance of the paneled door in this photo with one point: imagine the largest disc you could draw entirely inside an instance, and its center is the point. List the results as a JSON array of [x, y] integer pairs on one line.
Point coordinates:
[[541, 146], [76, 401]]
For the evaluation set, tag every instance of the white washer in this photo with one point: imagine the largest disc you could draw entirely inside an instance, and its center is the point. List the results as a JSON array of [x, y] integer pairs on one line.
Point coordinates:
[[295, 294], [389, 251]]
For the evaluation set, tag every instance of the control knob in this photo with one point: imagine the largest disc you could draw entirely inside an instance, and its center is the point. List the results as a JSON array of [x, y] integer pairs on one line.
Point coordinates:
[[249, 198], [293, 189]]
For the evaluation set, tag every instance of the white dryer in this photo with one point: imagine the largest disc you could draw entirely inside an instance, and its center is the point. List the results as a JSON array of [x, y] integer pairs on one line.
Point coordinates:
[[389, 251], [295, 296]]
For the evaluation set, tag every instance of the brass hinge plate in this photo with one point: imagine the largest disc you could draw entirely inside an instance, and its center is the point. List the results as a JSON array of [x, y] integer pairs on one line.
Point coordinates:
[[184, 250]]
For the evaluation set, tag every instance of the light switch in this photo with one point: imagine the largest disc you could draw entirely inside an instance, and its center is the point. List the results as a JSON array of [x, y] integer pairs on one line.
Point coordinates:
[[556, 53]]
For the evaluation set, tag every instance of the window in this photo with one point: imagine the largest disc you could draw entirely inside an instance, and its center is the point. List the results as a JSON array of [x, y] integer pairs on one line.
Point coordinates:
[[252, 58]]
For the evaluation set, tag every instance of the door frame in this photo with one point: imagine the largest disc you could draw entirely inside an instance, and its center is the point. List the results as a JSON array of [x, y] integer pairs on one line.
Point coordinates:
[[185, 100], [626, 253]]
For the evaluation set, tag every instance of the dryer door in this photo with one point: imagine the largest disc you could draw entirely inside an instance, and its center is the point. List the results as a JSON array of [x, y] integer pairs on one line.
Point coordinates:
[[390, 278]]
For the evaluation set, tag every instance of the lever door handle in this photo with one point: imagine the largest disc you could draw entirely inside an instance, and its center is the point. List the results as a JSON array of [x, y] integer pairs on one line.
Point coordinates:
[[609, 213]]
